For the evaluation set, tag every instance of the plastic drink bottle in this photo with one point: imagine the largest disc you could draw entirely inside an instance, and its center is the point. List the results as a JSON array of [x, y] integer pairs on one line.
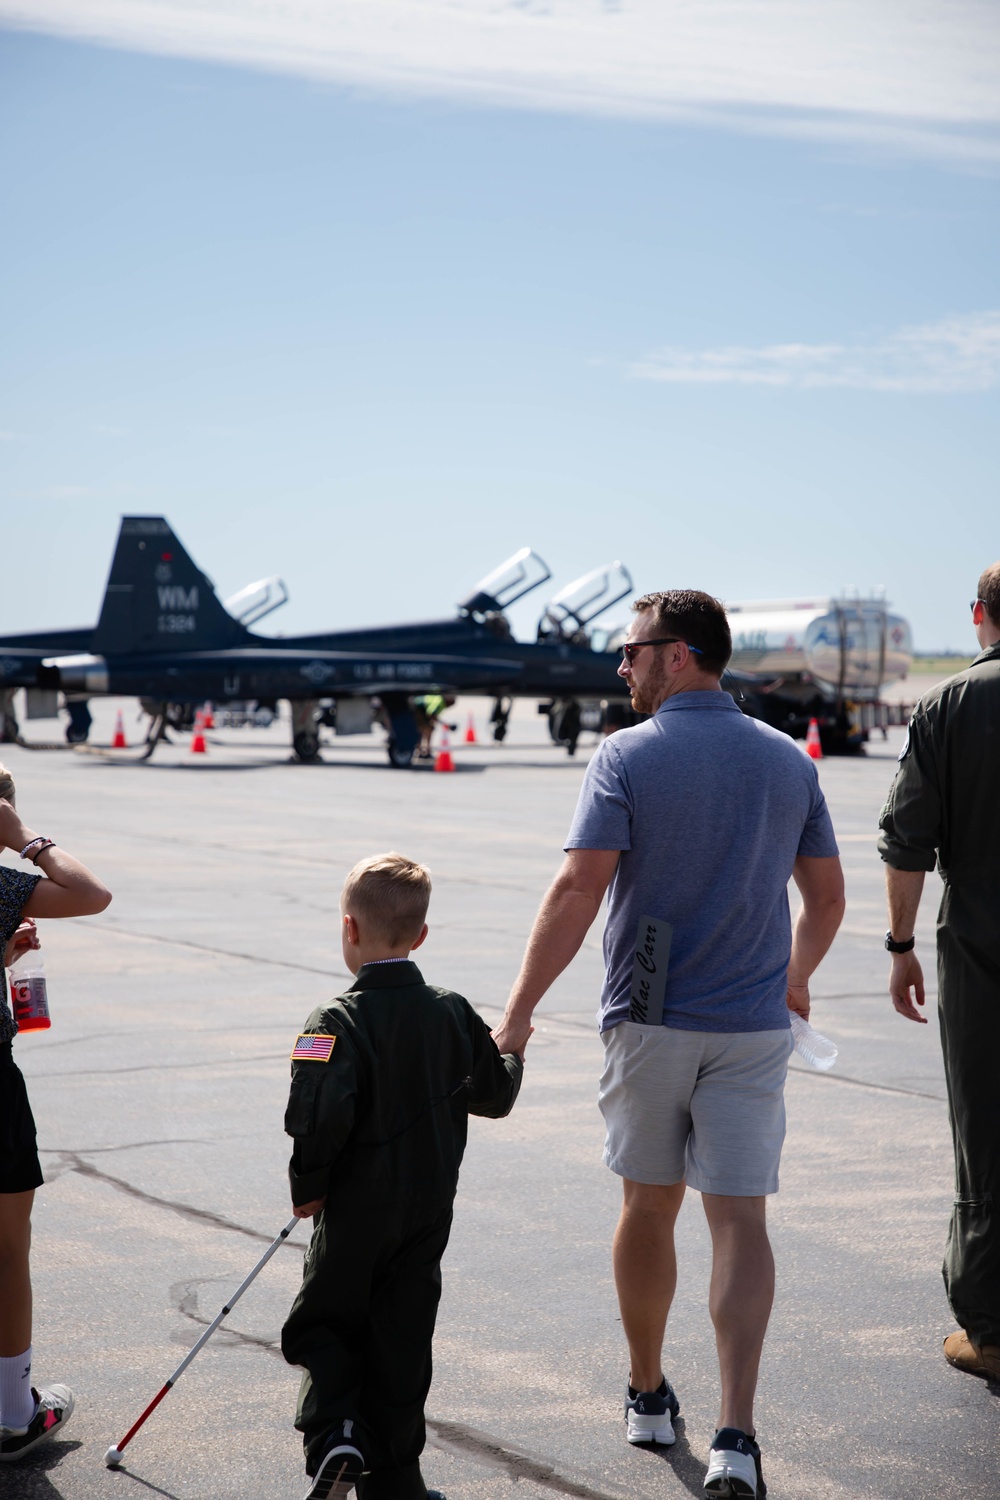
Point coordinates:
[[28, 997], [818, 1051]]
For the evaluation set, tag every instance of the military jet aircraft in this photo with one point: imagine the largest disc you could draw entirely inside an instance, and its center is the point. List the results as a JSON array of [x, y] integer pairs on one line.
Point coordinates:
[[22, 655], [165, 637]]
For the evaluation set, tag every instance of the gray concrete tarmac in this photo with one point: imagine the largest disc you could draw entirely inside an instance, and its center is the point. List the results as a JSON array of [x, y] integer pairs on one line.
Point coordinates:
[[159, 1095]]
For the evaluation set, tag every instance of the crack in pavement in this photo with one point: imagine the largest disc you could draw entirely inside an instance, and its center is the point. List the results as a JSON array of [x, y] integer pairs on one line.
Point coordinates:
[[74, 1041], [184, 1296], [515, 1462], [862, 1083], [175, 942], [448, 1436], [167, 1067], [181, 1140], [543, 1020], [73, 1162]]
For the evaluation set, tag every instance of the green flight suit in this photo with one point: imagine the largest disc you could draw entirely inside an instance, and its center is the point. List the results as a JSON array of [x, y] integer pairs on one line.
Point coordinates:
[[379, 1130], [945, 803]]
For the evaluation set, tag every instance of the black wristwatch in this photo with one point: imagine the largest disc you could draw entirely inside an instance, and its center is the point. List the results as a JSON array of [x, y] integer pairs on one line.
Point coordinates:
[[895, 947]]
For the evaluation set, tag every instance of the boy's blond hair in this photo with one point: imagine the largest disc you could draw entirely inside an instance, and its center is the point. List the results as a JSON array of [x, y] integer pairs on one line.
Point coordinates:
[[6, 784], [388, 896]]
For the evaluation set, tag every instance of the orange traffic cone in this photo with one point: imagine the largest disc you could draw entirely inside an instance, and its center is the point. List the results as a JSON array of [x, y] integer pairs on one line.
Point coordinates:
[[813, 747], [119, 742], [207, 717], [470, 733], [198, 746], [444, 761]]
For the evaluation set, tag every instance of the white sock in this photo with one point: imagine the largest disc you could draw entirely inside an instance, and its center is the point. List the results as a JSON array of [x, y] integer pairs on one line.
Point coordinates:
[[17, 1404]]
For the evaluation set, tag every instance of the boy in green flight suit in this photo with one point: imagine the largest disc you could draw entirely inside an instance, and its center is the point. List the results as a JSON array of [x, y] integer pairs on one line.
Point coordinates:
[[384, 1079]]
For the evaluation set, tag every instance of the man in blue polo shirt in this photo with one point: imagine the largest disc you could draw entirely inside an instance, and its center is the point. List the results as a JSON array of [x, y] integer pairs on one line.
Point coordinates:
[[693, 822]]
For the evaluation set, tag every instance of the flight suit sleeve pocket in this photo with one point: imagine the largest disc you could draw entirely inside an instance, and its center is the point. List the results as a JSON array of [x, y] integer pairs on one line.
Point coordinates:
[[300, 1116]]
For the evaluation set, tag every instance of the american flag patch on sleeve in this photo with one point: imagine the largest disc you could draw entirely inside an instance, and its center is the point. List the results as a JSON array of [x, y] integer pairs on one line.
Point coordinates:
[[313, 1048]]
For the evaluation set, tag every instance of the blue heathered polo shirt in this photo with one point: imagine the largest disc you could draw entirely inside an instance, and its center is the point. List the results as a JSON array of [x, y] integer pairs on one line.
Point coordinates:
[[710, 810]]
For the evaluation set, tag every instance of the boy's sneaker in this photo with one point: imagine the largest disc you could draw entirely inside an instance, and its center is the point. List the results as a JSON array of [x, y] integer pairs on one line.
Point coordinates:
[[339, 1469], [734, 1466], [649, 1414], [54, 1409]]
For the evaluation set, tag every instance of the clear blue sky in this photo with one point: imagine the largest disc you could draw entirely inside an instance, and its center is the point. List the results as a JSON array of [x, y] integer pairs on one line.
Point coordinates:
[[375, 343]]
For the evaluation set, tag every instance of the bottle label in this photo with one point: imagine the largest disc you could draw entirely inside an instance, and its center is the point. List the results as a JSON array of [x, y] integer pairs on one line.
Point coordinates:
[[30, 1002]]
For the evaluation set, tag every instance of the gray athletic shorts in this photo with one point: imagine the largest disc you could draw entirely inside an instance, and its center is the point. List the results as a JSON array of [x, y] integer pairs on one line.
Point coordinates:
[[704, 1106]]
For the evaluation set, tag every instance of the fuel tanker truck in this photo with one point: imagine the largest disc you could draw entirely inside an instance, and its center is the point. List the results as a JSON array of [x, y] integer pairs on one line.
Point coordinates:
[[825, 659]]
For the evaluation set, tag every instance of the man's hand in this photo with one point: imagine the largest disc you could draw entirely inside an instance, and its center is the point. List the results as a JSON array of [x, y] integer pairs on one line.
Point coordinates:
[[904, 976], [23, 940], [512, 1036], [564, 918], [798, 999], [308, 1210]]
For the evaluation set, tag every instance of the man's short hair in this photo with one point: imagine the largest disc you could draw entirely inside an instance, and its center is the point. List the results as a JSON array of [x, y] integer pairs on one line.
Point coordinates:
[[693, 617], [989, 592], [388, 896]]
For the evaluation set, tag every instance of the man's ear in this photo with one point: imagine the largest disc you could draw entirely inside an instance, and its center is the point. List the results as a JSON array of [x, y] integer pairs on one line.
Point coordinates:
[[419, 938], [351, 929]]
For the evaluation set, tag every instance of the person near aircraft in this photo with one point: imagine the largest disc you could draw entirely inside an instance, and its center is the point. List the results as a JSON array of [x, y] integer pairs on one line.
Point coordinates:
[[943, 808], [384, 1079], [428, 709], [696, 820], [68, 889]]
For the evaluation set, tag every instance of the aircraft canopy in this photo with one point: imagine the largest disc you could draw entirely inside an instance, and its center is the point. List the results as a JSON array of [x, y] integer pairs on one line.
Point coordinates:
[[507, 583]]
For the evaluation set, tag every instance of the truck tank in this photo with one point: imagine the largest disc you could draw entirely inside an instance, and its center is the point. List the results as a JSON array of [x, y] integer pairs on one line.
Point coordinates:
[[849, 648]]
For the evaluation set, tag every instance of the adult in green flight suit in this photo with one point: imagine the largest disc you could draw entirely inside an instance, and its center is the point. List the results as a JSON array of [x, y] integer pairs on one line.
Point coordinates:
[[944, 806]]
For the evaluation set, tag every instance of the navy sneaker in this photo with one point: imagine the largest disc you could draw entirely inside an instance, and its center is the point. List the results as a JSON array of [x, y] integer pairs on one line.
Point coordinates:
[[649, 1415], [338, 1471], [734, 1466], [54, 1409]]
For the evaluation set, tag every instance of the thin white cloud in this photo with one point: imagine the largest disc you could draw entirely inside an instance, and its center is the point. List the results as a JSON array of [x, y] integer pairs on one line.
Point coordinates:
[[918, 75], [957, 355]]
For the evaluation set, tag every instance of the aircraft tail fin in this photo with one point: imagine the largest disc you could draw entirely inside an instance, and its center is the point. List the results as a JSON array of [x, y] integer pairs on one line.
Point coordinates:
[[158, 599]]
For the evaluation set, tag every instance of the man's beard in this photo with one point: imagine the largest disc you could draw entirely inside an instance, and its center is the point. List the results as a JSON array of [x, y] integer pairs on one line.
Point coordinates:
[[647, 699]]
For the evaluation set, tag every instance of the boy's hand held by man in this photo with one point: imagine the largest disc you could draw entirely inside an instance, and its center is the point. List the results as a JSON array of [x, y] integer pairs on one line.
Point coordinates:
[[309, 1210]]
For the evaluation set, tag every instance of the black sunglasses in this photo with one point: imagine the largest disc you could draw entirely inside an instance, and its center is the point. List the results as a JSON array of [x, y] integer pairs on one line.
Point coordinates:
[[631, 647]]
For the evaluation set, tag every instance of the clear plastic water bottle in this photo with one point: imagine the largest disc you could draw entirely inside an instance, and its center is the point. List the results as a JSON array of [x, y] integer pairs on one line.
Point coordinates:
[[28, 998], [817, 1050]]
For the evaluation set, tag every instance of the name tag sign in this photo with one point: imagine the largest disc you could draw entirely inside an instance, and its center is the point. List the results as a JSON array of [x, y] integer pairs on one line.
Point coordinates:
[[649, 971]]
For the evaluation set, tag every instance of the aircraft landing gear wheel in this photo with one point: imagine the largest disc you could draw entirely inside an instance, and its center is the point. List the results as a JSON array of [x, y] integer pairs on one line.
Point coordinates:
[[400, 756], [564, 724], [306, 746], [80, 721], [499, 717]]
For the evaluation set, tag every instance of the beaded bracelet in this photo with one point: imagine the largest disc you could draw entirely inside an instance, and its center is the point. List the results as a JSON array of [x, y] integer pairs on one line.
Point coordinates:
[[31, 845]]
